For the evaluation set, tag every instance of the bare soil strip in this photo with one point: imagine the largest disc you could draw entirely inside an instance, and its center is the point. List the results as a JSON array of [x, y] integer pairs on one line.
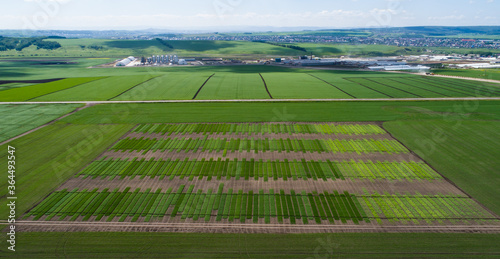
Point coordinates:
[[212, 227], [309, 156], [355, 186]]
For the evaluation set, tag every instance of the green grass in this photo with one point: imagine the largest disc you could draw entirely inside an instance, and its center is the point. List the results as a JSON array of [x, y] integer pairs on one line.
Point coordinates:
[[33, 91], [172, 86], [262, 112], [99, 90], [177, 245], [464, 151], [18, 119], [493, 74], [48, 157], [234, 86]]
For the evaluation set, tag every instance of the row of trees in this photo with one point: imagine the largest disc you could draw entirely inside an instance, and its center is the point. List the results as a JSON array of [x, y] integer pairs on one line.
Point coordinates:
[[285, 46], [8, 43]]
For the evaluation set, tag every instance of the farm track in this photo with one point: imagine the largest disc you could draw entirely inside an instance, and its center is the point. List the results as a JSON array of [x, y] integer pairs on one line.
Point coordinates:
[[46, 124], [265, 85], [268, 100], [357, 186], [212, 227]]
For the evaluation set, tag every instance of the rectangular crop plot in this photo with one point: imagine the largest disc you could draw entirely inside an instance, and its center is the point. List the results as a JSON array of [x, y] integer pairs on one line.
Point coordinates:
[[173, 86], [292, 207], [33, 91], [296, 170], [99, 90], [234, 86], [300, 86], [281, 145]]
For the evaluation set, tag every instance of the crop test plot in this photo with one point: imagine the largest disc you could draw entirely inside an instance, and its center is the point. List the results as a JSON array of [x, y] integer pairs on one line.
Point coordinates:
[[261, 174]]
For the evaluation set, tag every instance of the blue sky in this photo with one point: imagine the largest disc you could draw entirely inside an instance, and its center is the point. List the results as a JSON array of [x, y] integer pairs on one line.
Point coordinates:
[[198, 14]]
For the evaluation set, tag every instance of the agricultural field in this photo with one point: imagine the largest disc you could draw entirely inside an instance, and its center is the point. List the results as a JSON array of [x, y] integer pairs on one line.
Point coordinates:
[[172, 86], [18, 119], [233, 86], [31, 92], [99, 90], [361, 177]]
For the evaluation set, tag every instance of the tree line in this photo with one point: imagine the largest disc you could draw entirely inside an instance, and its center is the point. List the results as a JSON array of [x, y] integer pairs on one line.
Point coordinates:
[[8, 43]]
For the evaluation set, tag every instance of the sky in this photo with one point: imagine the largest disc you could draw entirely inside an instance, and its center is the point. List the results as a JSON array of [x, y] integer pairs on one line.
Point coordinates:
[[233, 14]]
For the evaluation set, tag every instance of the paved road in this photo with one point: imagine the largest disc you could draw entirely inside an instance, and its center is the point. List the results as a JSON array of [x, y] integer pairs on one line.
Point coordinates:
[[269, 100]]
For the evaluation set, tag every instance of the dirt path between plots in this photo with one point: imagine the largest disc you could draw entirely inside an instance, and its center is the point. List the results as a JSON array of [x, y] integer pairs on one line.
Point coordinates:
[[356, 186], [46, 124], [209, 227], [468, 78]]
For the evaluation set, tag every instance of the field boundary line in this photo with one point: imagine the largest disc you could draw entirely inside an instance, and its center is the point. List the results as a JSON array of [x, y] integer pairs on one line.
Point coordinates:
[[69, 88], [268, 100], [133, 87], [333, 85], [265, 85], [199, 90], [46, 124]]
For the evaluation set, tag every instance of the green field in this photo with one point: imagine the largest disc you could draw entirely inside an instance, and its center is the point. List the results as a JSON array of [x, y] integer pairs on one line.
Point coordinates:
[[172, 86], [100, 90], [282, 112], [18, 119], [176, 245], [33, 91], [471, 145], [41, 169], [233, 86]]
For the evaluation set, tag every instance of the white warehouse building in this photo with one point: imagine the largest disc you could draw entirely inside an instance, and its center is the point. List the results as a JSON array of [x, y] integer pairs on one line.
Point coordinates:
[[125, 62]]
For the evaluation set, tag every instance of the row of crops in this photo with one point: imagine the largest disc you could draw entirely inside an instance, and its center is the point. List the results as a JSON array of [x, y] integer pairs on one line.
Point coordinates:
[[231, 206], [279, 206], [258, 169], [406, 208], [224, 128], [260, 145]]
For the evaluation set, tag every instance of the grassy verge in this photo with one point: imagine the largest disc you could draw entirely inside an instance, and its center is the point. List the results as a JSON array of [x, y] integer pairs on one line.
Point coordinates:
[[172, 245], [48, 157], [466, 152], [264, 112]]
